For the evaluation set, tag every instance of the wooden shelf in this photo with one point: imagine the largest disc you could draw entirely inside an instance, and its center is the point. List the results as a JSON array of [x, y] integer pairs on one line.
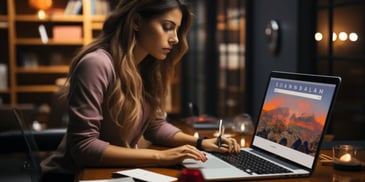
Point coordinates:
[[38, 41], [4, 22], [3, 18], [4, 25], [37, 89], [57, 18], [43, 69], [97, 25], [223, 26], [97, 22], [98, 18], [4, 91]]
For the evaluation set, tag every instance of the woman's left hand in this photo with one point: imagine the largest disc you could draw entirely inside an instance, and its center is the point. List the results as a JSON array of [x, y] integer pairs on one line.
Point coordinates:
[[229, 145]]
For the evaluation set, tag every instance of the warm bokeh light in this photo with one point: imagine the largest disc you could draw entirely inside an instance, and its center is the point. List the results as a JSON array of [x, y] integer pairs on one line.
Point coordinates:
[[318, 36], [353, 37], [40, 4], [334, 36], [243, 142], [196, 134], [342, 36], [42, 14]]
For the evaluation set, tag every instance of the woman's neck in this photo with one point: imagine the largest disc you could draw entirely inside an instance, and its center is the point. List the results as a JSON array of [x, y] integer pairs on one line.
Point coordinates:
[[139, 55]]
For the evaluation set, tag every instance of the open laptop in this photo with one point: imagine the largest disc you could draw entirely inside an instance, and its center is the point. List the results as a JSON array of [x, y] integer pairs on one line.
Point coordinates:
[[294, 114]]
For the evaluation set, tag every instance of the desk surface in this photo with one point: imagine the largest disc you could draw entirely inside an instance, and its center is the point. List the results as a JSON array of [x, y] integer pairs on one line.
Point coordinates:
[[322, 172]]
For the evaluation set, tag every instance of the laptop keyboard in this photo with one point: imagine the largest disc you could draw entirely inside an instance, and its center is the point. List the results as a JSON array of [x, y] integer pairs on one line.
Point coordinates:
[[251, 164]]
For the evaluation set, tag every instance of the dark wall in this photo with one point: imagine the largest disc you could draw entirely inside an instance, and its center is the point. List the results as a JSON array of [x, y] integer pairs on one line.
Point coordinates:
[[296, 43], [200, 64]]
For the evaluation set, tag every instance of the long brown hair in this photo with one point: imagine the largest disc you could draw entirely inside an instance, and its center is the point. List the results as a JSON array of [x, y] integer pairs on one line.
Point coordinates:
[[147, 82]]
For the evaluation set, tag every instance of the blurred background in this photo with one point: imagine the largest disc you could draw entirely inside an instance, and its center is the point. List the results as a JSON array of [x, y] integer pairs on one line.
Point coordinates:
[[234, 45]]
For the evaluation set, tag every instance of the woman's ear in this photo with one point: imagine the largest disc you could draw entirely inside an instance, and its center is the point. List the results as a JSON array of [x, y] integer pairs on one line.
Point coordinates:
[[137, 22]]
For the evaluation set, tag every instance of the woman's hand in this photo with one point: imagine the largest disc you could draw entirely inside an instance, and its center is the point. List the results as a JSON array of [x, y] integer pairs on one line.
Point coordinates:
[[229, 145], [176, 155]]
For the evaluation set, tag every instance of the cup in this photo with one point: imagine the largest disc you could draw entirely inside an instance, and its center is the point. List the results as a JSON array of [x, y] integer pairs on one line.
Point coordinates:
[[243, 124], [345, 158]]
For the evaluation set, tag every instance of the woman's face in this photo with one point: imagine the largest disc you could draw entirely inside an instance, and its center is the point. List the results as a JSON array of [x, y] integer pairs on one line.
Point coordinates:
[[157, 36]]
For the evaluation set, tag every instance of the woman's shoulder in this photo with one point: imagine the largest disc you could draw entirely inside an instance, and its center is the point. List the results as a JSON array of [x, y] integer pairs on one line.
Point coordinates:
[[97, 60], [98, 57], [96, 64]]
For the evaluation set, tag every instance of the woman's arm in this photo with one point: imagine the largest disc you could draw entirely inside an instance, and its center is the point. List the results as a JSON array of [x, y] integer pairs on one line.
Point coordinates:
[[162, 133], [229, 145], [89, 84], [121, 156]]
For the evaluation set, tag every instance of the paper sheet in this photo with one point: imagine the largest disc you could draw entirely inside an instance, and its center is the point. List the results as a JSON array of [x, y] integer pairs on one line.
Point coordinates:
[[123, 179], [145, 175]]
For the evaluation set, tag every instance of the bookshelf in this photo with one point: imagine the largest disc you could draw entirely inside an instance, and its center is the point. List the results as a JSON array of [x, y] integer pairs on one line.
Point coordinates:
[[36, 61], [35, 64], [4, 53], [231, 22]]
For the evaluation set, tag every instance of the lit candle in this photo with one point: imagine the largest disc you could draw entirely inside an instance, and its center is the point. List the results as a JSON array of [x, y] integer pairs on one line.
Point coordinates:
[[242, 127], [243, 142], [196, 134], [345, 157]]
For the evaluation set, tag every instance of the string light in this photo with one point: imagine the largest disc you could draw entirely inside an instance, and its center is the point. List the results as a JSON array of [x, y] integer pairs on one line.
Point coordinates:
[[318, 36], [334, 36], [353, 37], [343, 36]]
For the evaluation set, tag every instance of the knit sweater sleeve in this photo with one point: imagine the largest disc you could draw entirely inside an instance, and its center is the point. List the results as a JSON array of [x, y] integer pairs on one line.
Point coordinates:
[[160, 132]]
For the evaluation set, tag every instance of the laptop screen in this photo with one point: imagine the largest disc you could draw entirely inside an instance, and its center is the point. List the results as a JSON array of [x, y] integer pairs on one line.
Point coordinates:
[[293, 117]]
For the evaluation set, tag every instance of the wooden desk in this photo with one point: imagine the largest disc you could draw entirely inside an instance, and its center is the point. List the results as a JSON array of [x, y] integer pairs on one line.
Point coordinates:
[[322, 173]]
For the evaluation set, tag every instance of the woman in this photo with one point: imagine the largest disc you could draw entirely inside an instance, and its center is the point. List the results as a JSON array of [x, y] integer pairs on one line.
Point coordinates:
[[117, 89]]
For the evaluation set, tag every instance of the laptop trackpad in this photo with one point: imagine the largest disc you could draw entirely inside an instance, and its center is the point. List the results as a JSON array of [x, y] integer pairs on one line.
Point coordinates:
[[211, 163]]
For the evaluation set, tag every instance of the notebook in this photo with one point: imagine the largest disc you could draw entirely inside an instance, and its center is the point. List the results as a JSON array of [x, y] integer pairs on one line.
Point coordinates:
[[292, 121]]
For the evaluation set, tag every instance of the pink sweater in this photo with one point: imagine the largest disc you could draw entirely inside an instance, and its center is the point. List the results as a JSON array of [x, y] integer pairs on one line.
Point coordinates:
[[89, 130]]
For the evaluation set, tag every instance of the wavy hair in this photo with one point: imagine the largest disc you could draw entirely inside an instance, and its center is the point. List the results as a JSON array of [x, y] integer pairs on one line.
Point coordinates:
[[143, 83]]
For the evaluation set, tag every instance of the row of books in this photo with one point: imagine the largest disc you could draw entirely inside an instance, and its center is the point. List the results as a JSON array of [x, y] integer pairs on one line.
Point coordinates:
[[98, 7]]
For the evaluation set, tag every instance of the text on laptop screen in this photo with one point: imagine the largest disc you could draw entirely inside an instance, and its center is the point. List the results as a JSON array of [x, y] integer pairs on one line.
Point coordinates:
[[293, 118]]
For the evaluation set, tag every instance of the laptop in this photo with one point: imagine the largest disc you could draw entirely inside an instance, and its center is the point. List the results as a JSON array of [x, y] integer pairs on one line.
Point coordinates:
[[292, 122]]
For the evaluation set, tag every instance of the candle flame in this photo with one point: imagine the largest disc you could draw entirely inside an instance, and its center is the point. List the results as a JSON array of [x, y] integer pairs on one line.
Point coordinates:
[[243, 142], [196, 134], [242, 127], [346, 157]]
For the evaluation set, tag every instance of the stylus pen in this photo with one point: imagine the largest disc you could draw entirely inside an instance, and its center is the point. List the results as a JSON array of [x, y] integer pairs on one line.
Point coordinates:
[[219, 139]]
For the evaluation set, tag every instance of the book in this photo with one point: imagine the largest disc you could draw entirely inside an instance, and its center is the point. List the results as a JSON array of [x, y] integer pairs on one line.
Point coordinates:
[[73, 7], [100, 7]]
